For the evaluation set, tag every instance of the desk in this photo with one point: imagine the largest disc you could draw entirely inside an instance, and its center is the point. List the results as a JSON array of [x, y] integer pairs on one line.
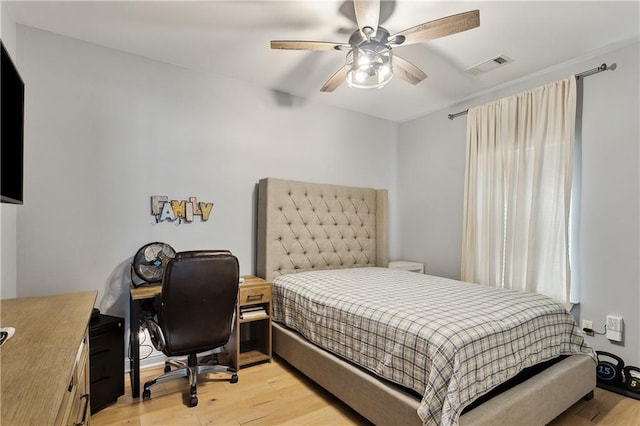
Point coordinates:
[[146, 292], [137, 298]]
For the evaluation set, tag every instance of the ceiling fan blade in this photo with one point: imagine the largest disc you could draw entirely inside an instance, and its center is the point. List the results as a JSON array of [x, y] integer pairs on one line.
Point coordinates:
[[367, 15], [386, 10], [407, 71], [439, 28], [307, 45], [336, 80]]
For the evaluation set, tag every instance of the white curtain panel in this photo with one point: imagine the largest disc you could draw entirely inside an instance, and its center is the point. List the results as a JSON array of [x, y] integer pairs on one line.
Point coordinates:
[[518, 191]]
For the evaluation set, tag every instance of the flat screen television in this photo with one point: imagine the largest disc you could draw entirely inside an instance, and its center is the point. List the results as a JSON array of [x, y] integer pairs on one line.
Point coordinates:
[[11, 131]]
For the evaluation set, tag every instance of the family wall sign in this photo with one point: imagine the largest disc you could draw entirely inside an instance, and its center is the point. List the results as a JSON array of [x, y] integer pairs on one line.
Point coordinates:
[[164, 209]]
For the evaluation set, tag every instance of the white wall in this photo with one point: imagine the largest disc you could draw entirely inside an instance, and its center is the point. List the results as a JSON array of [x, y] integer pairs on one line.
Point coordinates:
[[431, 161], [8, 212], [105, 130]]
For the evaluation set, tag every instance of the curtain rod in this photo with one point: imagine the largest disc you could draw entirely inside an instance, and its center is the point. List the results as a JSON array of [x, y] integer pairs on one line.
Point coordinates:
[[603, 67]]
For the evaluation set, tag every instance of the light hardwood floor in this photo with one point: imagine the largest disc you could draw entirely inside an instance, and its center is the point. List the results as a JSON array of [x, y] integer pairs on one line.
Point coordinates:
[[276, 394]]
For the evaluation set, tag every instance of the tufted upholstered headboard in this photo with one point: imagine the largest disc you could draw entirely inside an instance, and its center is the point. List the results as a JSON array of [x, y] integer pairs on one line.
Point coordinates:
[[308, 226]]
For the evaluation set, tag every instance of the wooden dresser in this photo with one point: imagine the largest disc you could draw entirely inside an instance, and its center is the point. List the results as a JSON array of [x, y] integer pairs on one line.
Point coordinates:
[[44, 366]]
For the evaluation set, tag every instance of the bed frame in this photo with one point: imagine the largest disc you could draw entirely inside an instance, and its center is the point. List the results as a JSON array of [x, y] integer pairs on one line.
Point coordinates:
[[307, 226]]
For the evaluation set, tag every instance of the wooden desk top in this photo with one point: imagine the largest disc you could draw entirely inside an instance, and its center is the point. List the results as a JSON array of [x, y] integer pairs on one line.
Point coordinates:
[[37, 362], [149, 291], [146, 291]]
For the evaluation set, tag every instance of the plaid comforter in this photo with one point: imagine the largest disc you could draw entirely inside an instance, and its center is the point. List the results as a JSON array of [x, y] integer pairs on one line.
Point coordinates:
[[449, 341]]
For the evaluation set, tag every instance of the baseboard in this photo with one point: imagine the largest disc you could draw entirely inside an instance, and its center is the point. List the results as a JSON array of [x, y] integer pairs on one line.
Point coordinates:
[[156, 358], [153, 360]]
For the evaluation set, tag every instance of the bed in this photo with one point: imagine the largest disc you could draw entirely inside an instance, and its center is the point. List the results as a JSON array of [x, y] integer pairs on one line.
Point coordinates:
[[326, 234]]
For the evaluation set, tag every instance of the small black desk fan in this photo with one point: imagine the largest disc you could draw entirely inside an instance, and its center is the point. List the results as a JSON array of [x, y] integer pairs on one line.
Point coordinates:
[[149, 262]]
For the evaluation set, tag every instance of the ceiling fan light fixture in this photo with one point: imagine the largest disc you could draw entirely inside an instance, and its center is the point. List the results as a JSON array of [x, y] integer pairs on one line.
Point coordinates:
[[369, 65], [369, 62]]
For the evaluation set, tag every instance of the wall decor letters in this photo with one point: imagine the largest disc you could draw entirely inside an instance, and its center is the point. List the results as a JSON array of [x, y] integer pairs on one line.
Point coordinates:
[[164, 209]]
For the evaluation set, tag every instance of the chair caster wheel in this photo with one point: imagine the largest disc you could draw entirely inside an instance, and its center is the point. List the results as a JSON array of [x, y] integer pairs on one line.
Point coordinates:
[[234, 378], [193, 401], [146, 394]]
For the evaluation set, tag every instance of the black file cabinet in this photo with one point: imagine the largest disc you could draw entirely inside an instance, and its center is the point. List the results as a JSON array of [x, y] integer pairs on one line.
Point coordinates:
[[106, 360]]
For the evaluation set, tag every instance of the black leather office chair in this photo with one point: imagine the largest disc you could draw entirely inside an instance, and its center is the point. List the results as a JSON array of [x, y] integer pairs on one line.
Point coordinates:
[[195, 314]]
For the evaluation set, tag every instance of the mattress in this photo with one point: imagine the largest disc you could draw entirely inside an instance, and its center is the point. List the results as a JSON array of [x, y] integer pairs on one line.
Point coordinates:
[[449, 342]]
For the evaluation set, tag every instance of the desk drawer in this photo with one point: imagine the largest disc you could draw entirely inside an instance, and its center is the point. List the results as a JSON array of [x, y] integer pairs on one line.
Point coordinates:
[[75, 402], [107, 361], [252, 295]]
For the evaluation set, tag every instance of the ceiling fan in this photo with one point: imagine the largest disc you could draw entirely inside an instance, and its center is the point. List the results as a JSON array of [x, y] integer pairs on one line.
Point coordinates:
[[370, 62], [346, 9]]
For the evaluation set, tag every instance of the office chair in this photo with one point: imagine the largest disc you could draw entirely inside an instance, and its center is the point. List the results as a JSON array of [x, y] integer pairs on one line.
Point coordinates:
[[195, 314]]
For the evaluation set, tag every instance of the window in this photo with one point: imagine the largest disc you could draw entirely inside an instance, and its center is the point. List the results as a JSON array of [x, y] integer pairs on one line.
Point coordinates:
[[518, 191]]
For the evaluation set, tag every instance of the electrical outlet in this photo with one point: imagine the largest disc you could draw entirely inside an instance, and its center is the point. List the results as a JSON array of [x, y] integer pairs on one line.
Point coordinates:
[[586, 324]]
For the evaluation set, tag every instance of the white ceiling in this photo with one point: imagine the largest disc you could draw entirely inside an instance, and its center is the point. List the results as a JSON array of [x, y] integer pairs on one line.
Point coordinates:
[[231, 38]]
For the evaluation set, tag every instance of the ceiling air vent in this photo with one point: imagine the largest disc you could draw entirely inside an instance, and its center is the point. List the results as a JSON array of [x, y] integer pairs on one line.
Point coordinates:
[[489, 65]]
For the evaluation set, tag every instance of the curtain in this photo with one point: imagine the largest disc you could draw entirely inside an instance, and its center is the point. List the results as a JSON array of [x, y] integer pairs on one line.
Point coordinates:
[[518, 191]]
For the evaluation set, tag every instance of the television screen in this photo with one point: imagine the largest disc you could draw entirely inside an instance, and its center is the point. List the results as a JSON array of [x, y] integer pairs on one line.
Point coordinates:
[[11, 130]]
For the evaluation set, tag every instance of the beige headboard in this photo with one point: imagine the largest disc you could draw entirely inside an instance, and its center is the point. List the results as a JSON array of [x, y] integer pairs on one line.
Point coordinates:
[[308, 226]]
